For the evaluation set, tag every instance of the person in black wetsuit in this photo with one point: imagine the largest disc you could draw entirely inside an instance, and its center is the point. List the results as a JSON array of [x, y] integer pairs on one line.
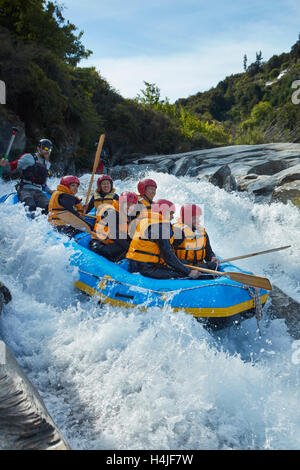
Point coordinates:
[[111, 238], [104, 194], [34, 173], [150, 251], [191, 242], [64, 198]]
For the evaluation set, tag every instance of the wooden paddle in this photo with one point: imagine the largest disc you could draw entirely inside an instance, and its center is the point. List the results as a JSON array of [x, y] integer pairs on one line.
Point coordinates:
[[70, 219], [96, 162], [247, 279], [253, 254]]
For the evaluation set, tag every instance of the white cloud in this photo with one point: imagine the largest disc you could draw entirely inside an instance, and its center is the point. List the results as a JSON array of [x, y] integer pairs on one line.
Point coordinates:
[[178, 76]]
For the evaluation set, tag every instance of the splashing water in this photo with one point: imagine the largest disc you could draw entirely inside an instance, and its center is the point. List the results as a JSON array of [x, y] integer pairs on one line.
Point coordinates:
[[118, 379]]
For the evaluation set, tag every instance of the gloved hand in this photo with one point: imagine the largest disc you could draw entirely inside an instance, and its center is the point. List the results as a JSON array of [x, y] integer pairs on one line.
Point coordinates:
[[194, 274]]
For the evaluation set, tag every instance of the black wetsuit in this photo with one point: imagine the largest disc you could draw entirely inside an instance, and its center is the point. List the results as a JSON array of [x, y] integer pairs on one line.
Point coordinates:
[[112, 251], [161, 234]]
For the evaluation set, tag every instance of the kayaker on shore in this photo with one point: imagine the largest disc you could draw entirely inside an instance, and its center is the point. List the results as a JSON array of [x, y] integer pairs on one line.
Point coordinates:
[[150, 251], [104, 194], [64, 199], [111, 238], [191, 242], [34, 172]]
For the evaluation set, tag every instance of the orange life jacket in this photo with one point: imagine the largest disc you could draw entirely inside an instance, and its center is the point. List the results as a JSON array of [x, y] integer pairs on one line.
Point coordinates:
[[144, 201], [54, 206], [141, 247], [104, 230], [99, 200], [192, 249]]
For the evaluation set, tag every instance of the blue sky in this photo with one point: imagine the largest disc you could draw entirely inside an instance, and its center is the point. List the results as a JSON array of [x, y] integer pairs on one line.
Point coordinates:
[[183, 46]]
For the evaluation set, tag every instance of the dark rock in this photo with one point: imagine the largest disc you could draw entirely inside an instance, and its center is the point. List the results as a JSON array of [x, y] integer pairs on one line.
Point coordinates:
[[224, 179], [283, 306], [287, 192], [181, 167], [269, 168], [24, 420], [5, 292], [264, 190]]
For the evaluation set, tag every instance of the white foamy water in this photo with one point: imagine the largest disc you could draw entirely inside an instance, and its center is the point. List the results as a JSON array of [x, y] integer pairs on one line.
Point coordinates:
[[118, 379]]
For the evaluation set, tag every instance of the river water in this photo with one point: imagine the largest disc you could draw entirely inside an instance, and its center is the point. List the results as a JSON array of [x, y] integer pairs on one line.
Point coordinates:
[[118, 379]]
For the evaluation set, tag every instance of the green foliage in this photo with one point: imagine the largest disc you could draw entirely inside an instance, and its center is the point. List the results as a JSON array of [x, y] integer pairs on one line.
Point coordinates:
[[54, 97], [256, 113], [274, 74], [250, 137], [150, 96], [261, 112], [41, 22], [190, 126]]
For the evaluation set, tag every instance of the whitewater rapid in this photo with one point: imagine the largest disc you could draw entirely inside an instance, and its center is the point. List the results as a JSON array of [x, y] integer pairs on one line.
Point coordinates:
[[118, 379]]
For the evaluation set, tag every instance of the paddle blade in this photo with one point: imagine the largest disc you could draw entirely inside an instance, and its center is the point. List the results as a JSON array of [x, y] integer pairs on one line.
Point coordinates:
[[249, 280], [70, 219]]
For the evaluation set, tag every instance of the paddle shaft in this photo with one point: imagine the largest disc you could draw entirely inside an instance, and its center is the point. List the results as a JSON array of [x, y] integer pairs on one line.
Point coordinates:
[[254, 254], [243, 278], [96, 163], [11, 141]]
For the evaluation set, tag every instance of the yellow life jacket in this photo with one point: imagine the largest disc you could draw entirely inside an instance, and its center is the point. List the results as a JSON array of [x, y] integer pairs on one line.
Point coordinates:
[[54, 206], [144, 201], [103, 231], [192, 249], [142, 248], [99, 200]]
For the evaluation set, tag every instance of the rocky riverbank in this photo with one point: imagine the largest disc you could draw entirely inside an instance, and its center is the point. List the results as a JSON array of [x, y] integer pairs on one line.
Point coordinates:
[[269, 172]]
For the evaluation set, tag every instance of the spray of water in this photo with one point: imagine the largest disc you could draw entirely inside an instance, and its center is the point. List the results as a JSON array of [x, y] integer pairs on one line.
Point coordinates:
[[119, 379]]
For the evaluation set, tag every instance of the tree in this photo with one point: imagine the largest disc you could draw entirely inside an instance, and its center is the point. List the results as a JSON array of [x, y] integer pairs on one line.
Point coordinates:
[[256, 66], [150, 96], [259, 58], [261, 112], [245, 62], [295, 50], [41, 22]]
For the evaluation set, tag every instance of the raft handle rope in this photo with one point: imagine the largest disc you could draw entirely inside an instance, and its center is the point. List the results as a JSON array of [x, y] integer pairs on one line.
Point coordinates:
[[257, 305], [104, 278]]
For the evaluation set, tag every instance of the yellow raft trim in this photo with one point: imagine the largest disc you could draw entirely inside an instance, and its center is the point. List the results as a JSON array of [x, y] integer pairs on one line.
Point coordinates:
[[196, 312], [222, 311]]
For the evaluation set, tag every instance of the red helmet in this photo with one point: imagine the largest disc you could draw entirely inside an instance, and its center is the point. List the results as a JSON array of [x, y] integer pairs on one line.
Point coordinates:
[[67, 180], [102, 178], [128, 197], [187, 211], [143, 184], [162, 206]]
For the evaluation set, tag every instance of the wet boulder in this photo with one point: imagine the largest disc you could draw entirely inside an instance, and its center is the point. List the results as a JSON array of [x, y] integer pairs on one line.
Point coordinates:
[[224, 179], [24, 420], [283, 306], [287, 192], [5, 296]]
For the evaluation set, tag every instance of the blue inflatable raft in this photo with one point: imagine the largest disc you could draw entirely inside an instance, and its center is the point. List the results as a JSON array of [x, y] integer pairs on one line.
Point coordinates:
[[217, 302]]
